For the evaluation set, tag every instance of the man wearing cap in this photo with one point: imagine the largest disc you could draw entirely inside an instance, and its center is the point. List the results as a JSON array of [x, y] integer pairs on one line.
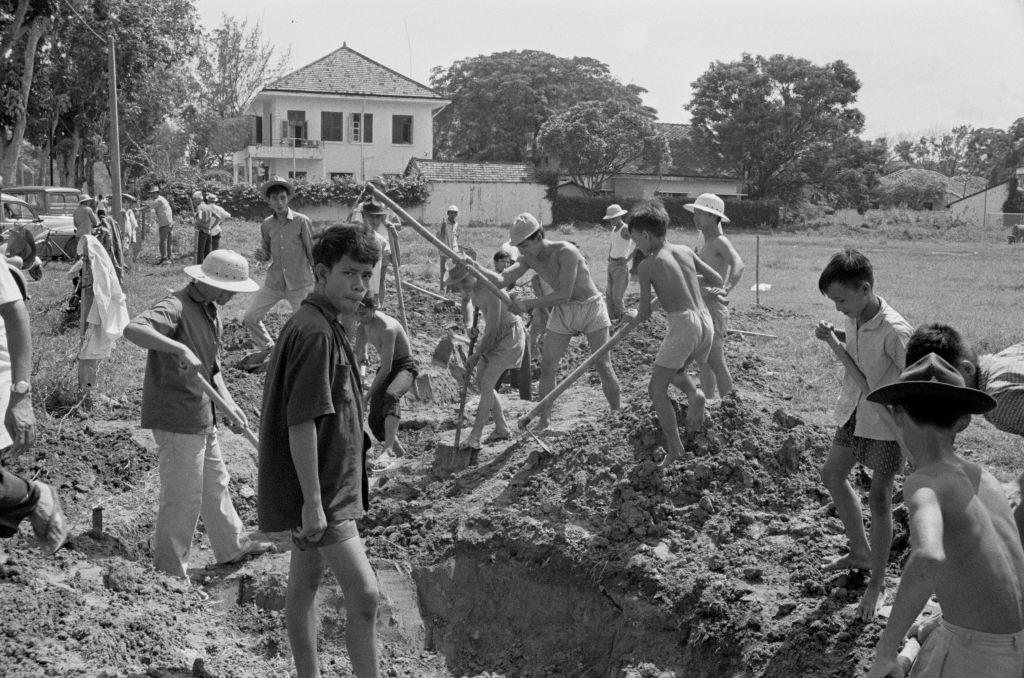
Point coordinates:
[[620, 247], [286, 240], [577, 306], [84, 217], [164, 222], [182, 334], [965, 549], [448, 233], [375, 215], [207, 221]]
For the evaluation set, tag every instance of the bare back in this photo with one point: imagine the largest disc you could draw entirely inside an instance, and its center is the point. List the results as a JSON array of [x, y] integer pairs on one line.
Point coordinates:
[[384, 331], [981, 582], [672, 274], [560, 266]]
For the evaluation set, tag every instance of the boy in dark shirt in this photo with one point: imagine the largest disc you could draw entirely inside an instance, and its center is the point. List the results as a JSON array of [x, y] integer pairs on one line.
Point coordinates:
[[312, 477]]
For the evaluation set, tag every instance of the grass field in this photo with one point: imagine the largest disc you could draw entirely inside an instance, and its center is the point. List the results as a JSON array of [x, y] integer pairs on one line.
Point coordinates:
[[973, 286]]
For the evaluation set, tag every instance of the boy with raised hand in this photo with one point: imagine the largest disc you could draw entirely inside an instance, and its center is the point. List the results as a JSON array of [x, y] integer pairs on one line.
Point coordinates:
[[312, 463], [964, 544], [394, 378], [286, 241], [672, 271], [709, 214], [182, 335], [875, 339]]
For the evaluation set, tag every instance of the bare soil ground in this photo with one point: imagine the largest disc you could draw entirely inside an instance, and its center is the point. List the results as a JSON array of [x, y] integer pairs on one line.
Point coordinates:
[[590, 561]]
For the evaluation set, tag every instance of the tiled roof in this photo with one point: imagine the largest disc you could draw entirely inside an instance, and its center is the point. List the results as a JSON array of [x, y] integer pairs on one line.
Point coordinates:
[[473, 172], [673, 131], [346, 71]]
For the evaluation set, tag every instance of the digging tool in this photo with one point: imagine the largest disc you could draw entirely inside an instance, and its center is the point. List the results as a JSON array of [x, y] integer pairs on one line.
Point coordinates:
[[396, 260], [547, 400], [745, 333], [435, 295], [474, 333], [482, 274], [222, 404], [443, 351]]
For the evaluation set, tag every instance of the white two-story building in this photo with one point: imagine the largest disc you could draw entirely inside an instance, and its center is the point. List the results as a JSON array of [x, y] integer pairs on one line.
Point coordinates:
[[344, 116]]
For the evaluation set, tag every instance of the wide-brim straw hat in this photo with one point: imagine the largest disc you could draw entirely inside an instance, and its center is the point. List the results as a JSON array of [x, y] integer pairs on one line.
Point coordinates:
[[933, 377], [710, 203], [224, 269], [613, 211], [277, 181]]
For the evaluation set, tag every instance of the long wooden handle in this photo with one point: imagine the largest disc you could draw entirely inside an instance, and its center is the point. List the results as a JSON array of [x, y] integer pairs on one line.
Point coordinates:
[[474, 267], [435, 295], [396, 261], [222, 404], [583, 367]]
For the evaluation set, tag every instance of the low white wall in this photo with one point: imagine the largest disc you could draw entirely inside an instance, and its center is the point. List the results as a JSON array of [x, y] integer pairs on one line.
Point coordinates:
[[492, 204]]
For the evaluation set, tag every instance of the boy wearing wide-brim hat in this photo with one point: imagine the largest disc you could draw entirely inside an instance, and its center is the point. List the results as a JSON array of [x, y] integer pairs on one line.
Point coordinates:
[[182, 334], [620, 248], [964, 543], [286, 241]]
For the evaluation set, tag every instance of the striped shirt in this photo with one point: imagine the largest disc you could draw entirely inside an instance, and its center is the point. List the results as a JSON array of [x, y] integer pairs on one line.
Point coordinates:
[[1002, 376]]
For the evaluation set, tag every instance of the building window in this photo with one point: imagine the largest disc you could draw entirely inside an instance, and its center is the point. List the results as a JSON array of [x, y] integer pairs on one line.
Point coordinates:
[[300, 175], [341, 176], [362, 128], [401, 129], [332, 126], [295, 128], [259, 129]]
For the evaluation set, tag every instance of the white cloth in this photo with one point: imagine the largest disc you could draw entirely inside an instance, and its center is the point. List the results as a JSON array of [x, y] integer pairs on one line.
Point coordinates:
[[385, 253], [108, 315], [619, 248], [9, 292], [131, 227]]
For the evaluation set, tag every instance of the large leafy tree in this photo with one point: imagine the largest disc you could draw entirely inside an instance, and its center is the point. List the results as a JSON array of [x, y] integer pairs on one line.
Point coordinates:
[[766, 116], [596, 140], [501, 101], [23, 25], [155, 43], [233, 63]]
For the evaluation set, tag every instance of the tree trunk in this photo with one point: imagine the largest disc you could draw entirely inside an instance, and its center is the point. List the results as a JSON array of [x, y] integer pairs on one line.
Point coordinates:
[[9, 159]]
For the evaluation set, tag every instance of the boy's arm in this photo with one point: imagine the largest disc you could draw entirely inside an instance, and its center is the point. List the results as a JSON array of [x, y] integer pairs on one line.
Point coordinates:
[[645, 290], [710, 275], [920, 574], [145, 336], [735, 265], [262, 252], [514, 273], [302, 442], [492, 317], [567, 271], [387, 356]]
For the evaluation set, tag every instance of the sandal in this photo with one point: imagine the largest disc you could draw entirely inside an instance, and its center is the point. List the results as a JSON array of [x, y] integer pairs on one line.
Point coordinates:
[[381, 464], [496, 437]]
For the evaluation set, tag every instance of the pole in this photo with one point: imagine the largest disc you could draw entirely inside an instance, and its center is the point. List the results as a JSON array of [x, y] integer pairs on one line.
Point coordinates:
[[115, 138], [396, 260], [757, 272], [474, 267]]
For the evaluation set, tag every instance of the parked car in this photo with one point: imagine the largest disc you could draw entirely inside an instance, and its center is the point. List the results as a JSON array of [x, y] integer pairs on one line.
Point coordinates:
[[56, 201], [54, 235]]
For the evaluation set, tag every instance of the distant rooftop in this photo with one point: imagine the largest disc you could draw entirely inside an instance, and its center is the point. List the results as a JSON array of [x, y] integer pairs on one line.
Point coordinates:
[[347, 72]]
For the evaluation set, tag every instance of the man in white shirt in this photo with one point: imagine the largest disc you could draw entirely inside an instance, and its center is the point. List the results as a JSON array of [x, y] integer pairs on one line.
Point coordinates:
[[620, 248]]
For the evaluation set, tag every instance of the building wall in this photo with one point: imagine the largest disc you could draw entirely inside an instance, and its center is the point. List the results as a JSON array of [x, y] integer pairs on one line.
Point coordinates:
[[646, 186], [362, 160], [981, 209], [484, 203]]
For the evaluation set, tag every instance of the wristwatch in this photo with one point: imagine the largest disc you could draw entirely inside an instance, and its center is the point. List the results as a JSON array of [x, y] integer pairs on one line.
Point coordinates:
[[21, 387]]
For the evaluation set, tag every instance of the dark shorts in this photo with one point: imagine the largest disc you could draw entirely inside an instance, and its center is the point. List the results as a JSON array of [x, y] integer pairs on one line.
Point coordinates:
[[877, 455], [334, 534], [383, 404]]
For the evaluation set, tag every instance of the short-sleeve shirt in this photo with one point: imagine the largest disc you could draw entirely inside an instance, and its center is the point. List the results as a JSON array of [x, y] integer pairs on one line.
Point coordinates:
[[204, 217], [289, 244], [879, 347], [1001, 375], [311, 377], [449, 234], [172, 401], [164, 215], [385, 252], [9, 292], [84, 219], [619, 247]]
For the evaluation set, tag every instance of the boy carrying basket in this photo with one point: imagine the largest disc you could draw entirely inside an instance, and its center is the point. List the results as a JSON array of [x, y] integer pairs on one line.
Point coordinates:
[[672, 271], [964, 543]]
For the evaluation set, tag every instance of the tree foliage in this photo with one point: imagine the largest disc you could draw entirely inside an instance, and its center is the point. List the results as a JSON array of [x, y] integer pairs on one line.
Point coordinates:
[[962, 150], [596, 140], [501, 101], [767, 116]]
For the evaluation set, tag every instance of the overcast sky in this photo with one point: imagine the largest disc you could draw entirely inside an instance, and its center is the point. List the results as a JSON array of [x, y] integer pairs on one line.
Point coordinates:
[[923, 65]]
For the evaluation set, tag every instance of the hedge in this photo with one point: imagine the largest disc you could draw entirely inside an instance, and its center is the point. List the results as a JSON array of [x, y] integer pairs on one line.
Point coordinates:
[[743, 214], [245, 202]]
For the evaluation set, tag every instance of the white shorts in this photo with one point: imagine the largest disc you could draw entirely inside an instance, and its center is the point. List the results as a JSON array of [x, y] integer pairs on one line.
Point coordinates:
[[952, 651], [689, 337], [579, 317]]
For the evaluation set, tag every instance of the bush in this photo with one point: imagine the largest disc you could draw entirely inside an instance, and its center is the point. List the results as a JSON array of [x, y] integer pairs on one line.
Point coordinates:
[[245, 202], [743, 214]]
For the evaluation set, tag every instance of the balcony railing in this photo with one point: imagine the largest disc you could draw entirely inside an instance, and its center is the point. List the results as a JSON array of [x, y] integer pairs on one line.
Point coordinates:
[[295, 142]]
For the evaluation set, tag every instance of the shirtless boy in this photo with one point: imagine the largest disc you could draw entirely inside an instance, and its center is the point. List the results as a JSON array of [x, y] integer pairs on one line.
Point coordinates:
[[576, 305], [964, 543], [709, 215], [395, 377], [672, 271]]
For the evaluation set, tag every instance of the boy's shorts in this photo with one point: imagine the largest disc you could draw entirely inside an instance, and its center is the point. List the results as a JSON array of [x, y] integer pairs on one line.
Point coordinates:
[[509, 345], [689, 337], [952, 651], [719, 316], [384, 404], [334, 534], [579, 317], [877, 455]]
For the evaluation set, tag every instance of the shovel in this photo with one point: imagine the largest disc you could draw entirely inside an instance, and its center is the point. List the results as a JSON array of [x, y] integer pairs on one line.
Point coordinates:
[[223, 406], [442, 354], [465, 381]]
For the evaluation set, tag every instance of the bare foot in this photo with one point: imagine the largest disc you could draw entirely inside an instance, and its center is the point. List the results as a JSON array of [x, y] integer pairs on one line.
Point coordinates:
[[671, 456], [850, 561], [695, 412], [871, 603]]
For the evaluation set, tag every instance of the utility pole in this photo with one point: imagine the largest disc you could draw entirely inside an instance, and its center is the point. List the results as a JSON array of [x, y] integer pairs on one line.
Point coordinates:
[[115, 138]]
